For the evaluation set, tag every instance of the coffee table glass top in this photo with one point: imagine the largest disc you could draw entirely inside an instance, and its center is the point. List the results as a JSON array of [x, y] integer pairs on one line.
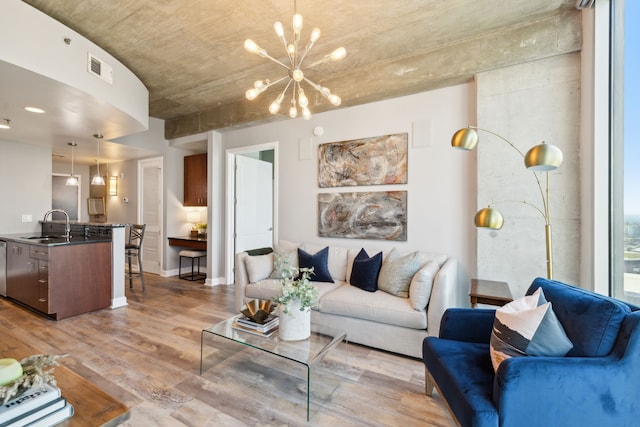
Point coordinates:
[[322, 339]]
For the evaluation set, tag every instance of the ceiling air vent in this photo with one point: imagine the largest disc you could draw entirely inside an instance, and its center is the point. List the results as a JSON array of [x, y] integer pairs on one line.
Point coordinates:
[[99, 69], [584, 4]]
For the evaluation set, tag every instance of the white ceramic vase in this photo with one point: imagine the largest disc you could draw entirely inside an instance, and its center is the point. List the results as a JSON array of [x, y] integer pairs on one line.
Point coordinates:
[[294, 325]]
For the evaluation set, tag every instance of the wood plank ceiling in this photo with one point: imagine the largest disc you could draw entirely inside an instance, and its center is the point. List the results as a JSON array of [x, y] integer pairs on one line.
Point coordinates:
[[190, 54]]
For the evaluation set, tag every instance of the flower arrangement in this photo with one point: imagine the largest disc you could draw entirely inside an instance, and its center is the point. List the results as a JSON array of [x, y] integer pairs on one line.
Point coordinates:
[[33, 375], [296, 284]]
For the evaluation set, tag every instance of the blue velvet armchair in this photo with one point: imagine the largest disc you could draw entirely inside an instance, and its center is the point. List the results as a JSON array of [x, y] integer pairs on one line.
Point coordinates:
[[596, 384]]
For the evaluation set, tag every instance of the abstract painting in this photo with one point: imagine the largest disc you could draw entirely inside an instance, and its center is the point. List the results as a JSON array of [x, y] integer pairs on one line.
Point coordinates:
[[381, 160], [380, 215]]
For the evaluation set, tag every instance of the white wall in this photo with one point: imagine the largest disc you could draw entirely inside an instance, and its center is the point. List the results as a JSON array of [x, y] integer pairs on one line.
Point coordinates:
[[441, 189], [25, 185]]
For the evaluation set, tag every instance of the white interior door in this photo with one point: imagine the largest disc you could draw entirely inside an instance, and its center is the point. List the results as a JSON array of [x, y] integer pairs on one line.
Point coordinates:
[[254, 204], [150, 212]]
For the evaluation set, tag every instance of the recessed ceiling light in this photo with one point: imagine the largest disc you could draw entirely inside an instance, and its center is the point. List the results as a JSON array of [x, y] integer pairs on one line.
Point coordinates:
[[5, 125], [34, 110]]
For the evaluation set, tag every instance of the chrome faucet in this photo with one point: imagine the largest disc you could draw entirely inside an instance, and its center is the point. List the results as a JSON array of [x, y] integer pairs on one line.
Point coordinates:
[[67, 226]]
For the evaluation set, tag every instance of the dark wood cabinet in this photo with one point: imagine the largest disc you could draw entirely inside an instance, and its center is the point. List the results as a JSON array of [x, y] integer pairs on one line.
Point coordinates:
[[60, 281], [195, 180]]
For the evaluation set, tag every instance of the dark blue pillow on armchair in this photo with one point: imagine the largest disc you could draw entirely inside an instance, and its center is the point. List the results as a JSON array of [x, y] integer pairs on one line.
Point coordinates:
[[320, 263], [364, 273]]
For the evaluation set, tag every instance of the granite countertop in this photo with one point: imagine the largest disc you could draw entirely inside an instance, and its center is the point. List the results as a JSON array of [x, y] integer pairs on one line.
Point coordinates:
[[39, 240], [92, 224]]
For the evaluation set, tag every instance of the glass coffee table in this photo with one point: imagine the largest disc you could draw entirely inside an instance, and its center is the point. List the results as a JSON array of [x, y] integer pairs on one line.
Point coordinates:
[[306, 353]]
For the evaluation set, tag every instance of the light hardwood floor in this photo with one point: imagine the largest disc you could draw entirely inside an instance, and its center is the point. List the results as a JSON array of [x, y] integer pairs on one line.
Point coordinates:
[[148, 356]]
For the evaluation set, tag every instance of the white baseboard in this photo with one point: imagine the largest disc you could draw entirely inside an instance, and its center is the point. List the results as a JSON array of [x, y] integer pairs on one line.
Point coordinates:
[[118, 302]]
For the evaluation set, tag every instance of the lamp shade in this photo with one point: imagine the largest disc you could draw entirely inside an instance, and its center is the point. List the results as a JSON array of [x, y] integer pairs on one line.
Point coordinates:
[[543, 157], [489, 218], [193, 217], [465, 139]]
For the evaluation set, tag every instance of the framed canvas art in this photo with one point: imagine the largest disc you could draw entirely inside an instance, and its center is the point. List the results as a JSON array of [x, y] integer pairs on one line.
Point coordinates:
[[380, 215], [380, 160]]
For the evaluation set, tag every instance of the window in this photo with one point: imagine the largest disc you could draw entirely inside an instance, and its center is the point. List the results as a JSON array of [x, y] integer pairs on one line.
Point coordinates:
[[625, 153]]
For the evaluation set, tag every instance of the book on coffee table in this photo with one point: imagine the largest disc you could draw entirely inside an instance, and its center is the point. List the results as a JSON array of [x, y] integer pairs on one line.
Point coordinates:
[[33, 399], [269, 323], [266, 333]]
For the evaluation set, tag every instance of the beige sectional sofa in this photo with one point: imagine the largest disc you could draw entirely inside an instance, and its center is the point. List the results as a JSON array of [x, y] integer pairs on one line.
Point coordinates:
[[376, 319]]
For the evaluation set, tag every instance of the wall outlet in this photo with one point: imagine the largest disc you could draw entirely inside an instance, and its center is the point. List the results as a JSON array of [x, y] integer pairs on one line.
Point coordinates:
[[27, 218]]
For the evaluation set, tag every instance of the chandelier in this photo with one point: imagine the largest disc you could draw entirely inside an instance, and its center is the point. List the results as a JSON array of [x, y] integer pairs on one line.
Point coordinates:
[[294, 75]]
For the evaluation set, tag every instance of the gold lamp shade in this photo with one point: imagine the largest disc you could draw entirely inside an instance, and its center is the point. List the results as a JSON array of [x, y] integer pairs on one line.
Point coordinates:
[[489, 218], [465, 139], [543, 157]]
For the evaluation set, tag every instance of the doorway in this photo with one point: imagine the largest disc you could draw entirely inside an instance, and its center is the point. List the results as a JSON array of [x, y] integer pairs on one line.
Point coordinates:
[[65, 197], [252, 175], [150, 185]]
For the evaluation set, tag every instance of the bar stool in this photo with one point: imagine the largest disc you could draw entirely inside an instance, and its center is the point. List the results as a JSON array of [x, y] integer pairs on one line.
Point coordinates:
[[193, 255], [132, 249]]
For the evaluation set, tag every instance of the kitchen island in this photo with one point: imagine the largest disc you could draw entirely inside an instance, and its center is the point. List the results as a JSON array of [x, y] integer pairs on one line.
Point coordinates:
[[62, 276]]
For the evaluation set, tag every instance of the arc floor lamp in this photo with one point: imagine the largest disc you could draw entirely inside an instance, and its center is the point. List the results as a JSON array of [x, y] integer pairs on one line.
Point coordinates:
[[540, 158]]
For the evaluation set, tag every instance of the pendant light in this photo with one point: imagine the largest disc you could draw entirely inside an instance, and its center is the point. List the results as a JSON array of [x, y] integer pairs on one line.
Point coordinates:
[[72, 180], [98, 179]]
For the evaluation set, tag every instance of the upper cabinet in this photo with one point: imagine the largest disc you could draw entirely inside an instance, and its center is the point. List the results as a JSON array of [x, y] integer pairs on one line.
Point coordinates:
[[195, 180]]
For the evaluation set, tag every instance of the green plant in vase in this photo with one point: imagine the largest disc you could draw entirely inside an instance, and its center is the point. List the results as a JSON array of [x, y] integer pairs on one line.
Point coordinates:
[[296, 285]]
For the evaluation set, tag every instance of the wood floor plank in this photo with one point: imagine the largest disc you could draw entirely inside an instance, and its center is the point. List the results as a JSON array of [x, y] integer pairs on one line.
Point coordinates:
[[147, 355]]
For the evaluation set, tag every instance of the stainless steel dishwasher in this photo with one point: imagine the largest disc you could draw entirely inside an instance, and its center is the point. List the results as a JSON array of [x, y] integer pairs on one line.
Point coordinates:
[[3, 268]]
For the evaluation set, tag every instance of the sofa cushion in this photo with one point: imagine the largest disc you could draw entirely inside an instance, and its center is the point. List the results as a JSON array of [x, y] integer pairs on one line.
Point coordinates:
[[319, 263], [592, 322], [259, 267], [365, 270], [527, 327], [397, 271], [337, 259], [421, 285], [376, 306], [269, 288], [287, 253]]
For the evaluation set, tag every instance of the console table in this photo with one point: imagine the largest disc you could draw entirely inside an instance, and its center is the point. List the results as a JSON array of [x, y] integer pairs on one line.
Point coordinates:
[[92, 405], [198, 243]]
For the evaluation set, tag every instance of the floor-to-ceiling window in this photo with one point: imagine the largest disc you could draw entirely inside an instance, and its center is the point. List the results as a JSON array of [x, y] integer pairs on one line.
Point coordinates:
[[625, 153]]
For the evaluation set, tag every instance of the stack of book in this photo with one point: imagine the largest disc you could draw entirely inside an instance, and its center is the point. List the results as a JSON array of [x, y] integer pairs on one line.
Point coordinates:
[[266, 329], [39, 406]]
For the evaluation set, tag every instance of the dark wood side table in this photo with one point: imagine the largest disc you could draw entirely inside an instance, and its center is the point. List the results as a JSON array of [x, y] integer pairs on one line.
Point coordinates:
[[489, 292]]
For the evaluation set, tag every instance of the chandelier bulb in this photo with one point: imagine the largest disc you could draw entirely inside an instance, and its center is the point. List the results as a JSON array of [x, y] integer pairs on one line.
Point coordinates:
[[335, 99], [252, 94], [275, 105], [306, 114], [302, 99], [315, 35], [297, 24], [293, 111], [278, 28], [338, 54]]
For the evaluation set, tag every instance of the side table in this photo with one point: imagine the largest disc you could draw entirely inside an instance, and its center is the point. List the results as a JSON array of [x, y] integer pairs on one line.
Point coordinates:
[[489, 292]]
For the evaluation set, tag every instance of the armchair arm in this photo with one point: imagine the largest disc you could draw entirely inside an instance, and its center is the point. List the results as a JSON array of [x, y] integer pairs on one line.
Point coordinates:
[[467, 324], [585, 391]]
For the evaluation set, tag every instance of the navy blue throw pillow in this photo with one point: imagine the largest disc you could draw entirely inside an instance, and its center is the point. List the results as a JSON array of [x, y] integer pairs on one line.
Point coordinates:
[[320, 263], [364, 273]]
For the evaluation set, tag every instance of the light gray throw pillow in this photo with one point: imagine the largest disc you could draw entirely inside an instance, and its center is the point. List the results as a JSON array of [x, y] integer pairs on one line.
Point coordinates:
[[396, 273]]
